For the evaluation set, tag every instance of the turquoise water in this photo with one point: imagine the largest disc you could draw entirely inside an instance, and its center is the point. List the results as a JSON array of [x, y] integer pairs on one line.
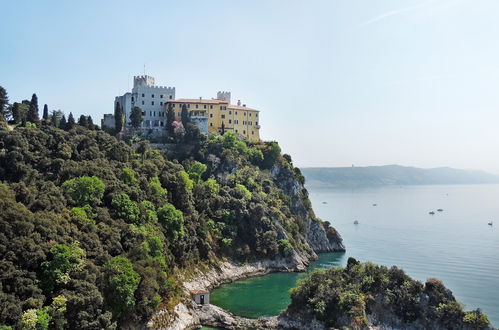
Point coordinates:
[[456, 245]]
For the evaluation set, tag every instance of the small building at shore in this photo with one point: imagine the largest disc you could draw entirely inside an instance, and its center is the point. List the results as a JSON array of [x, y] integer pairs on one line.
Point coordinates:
[[201, 297]]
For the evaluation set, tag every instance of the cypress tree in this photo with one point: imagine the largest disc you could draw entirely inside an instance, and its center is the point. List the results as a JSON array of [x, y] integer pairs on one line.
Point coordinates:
[[83, 121], [118, 117], [32, 115], [90, 123], [63, 123], [45, 112], [223, 128], [53, 119], [170, 118], [71, 122], [186, 118], [4, 101]]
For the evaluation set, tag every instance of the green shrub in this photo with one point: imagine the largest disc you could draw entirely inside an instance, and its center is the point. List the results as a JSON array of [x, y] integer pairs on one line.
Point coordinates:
[[126, 209], [84, 190]]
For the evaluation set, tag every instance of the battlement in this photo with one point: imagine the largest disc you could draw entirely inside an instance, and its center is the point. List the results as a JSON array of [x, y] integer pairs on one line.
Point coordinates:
[[143, 81], [223, 96]]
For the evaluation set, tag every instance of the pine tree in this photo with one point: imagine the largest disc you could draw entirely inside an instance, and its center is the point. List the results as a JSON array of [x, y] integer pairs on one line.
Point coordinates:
[[184, 115], [90, 123], [4, 101], [170, 118], [32, 115], [71, 122], [118, 117], [83, 121], [45, 112], [63, 123]]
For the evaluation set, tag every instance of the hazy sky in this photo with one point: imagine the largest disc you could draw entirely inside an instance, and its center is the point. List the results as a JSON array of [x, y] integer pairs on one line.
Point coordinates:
[[364, 82]]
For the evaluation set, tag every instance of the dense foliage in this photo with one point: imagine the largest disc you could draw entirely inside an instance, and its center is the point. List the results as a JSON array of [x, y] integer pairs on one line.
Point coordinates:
[[93, 231], [346, 297]]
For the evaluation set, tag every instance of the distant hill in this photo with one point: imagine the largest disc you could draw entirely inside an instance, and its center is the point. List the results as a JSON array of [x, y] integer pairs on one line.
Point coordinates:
[[392, 175]]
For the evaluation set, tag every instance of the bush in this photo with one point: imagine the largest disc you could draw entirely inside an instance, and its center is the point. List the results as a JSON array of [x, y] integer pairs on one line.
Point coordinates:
[[126, 209], [172, 221]]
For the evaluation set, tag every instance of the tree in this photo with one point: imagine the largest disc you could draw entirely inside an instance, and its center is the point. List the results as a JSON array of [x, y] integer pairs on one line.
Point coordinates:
[[122, 282], [90, 123], [32, 115], [63, 123], [196, 170], [136, 117], [84, 190], [82, 121], [55, 117], [45, 112], [4, 101], [222, 129], [118, 117], [184, 115], [170, 118], [172, 221], [126, 209], [63, 260], [71, 122]]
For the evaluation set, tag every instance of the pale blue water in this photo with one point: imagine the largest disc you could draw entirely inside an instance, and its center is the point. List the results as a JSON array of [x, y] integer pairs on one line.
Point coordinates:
[[456, 246]]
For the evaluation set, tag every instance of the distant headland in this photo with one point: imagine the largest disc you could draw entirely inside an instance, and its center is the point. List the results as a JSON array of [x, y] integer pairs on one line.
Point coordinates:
[[392, 175]]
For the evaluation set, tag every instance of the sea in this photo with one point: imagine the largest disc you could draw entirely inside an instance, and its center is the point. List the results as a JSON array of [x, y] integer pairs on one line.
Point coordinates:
[[456, 245]]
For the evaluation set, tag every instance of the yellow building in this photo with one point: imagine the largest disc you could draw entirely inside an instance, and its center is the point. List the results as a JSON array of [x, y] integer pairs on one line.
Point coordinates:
[[238, 118]]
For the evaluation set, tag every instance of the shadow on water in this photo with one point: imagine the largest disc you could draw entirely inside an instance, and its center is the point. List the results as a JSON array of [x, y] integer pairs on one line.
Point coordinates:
[[267, 295]]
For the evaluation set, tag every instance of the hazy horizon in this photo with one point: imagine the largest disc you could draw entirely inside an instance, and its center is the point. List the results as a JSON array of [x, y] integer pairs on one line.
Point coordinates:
[[412, 82]]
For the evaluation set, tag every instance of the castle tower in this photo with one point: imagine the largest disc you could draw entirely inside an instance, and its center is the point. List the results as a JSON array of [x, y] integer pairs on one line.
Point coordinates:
[[223, 96], [143, 81]]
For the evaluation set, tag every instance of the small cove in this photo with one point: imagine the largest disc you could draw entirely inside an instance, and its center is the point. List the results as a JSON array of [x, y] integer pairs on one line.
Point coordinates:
[[456, 245]]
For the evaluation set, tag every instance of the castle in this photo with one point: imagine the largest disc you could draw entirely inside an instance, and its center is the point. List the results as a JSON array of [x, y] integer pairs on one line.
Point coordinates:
[[210, 115]]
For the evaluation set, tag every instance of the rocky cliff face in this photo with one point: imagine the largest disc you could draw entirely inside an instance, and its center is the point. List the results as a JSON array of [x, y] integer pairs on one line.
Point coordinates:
[[318, 234]]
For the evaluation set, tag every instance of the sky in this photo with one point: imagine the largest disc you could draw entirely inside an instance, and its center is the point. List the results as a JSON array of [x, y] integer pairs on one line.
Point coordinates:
[[363, 82]]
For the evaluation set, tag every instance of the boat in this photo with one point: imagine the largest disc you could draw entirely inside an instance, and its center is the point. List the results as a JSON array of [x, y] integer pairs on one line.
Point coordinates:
[[324, 202], [490, 223], [432, 213], [375, 204], [440, 210], [355, 222]]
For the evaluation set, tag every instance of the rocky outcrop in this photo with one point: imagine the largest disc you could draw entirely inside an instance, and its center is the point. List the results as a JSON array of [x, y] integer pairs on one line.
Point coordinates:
[[319, 235]]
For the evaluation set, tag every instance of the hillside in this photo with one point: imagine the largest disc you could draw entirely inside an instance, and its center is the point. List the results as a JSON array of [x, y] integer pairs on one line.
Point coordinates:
[[392, 175], [94, 231]]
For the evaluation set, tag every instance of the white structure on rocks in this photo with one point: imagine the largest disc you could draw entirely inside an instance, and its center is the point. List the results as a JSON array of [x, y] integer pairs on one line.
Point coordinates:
[[150, 99]]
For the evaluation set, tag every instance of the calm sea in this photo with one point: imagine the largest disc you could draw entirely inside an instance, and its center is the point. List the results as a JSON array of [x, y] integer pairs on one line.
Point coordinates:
[[456, 245]]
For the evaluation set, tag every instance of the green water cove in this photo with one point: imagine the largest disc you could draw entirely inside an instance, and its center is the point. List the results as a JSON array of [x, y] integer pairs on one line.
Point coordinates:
[[266, 295]]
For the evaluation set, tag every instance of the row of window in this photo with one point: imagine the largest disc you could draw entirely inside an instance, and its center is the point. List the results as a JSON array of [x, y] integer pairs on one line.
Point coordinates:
[[160, 96]]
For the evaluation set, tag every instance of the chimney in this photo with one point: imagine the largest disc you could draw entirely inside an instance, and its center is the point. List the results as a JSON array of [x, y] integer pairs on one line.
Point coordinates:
[[238, 102], [200, 98], [244, 105]]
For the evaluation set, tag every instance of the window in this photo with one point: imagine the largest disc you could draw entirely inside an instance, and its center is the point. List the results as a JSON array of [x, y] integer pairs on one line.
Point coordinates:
[[188, 106], [171, 97], [223, 116], [154, 113], [236, 112], [256, 123], [132, 98], [250, 114], [160, 103], [143, 113], [152, 95], [142, 102], [150, 113], [161, 96], [211, 115], [230, 121], [197, 106], [204, 106], [236, 130], [256, 115], [211, 107], [211, 124], [245, 113], [152, 102], [252, 133], [230, 112], [244, 132], [143, 95]]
